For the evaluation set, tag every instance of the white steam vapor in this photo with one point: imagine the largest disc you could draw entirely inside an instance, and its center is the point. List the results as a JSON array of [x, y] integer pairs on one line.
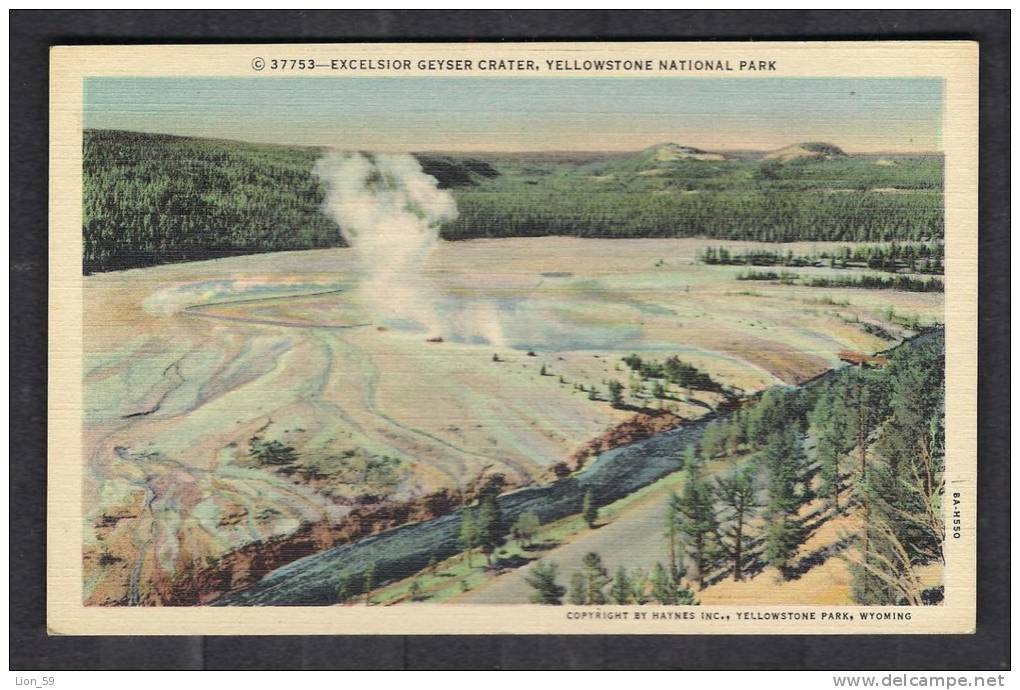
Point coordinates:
[[389, 211]]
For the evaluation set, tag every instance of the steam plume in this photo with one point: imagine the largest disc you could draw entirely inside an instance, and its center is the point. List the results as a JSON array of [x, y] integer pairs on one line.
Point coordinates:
[[389, 211]]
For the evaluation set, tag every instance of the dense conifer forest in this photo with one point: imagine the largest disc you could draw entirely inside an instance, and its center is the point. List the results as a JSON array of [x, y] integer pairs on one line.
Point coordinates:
[[892, 258], [151, 198], [869, 441]]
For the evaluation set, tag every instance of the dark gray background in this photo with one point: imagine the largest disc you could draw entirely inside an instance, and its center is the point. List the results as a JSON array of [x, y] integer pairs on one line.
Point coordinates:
[[31, 34]]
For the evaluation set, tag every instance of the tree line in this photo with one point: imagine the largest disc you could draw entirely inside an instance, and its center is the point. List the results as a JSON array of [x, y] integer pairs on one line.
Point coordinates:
[[672, 370], [592, 585], [895, 257], [900, 282]]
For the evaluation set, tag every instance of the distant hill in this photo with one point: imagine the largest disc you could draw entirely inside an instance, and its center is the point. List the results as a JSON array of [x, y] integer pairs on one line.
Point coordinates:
[[664, 153], [454, 172], [676, 190], [810, 149], [671, 163]]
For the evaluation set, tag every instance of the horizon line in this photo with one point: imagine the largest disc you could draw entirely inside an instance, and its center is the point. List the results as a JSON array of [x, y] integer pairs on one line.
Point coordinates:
[[891, 152]]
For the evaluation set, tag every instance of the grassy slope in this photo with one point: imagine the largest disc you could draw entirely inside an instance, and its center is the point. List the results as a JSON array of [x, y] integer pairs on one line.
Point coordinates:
[[825, 578], [455, 579]]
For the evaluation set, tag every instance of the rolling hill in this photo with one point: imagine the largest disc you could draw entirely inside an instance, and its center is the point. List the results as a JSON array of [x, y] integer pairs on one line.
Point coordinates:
[[808, 149]]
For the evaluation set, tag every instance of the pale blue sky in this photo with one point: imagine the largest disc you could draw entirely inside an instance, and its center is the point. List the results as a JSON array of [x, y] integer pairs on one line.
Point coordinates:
[[527, 114]]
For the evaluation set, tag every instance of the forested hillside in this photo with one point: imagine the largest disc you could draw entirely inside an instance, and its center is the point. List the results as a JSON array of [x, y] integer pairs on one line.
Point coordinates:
[[657, 193], [867, 446], [868, 440], [152, 198]]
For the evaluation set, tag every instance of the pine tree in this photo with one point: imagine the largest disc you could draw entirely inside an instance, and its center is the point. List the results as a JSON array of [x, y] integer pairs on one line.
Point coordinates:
[[578, 589], [663, 586], [139, 204], [490, 528], [659, 391], [672, 534], [542, 577], [904, 485], [596, 578], [615, 393], [621, 591], [468, 534], [415, 591], [369, 583], [525, 528], [345, 589], [685, 597], [829, 423], [589, 511], [639, 586], [784, 460], [868, 397], [736, 493], [695, 512]]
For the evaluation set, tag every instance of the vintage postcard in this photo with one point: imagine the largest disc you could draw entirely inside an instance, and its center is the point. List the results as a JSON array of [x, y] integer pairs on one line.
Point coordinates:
[[513, 338]]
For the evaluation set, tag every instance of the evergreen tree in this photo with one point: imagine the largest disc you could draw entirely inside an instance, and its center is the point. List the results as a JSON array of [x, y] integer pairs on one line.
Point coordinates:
[[146, 196], [697, 523], [415, 591], [685, 597], [468, 533], [490, 528], [589, 511], [672, 535], [596, 578], [659, 391], [542, 577], [778, 409], [904, 486], [525, 528], [151, 198], [784, 460], [868, 398], [369, 583], [663, 586], [737, 495], [615, 393], [829, 424], [621, 591], [578, 589], [639, 586], [345, 589]]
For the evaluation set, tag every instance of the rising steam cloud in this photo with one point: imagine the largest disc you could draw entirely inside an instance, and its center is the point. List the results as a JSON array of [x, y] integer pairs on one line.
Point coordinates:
[[389, 211]]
